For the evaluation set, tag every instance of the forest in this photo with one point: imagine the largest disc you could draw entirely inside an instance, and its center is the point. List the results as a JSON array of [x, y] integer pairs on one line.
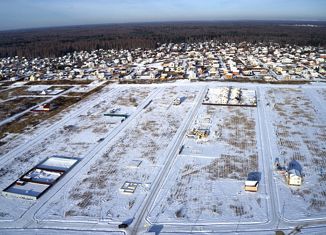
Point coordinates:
[[51, 42]]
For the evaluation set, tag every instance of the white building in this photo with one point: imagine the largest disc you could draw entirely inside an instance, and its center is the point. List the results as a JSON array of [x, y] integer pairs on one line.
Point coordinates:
[[294, 177]]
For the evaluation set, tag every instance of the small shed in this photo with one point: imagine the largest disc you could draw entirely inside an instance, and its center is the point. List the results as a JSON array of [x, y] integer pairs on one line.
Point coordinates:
[[294, 177], [251, 185]]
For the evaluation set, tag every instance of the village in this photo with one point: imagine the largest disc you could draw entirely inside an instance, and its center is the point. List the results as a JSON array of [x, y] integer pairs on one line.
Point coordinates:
[[204, 137], [194, 61]]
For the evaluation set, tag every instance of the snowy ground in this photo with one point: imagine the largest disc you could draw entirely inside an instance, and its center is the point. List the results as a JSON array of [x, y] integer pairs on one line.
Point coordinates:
[[207, 184], [96, 193], [298, 130], [177, 189], [73, 139], [14, 140]]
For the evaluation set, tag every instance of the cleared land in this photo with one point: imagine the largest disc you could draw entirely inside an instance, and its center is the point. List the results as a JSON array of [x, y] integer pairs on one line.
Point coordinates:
[[18, 100], [206, 185], [210, 151], [299, 136], [74, 139], [97, 192], [14, 106]]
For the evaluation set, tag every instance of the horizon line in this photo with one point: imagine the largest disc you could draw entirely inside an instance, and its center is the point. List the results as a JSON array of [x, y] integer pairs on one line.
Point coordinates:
[[160, 22]]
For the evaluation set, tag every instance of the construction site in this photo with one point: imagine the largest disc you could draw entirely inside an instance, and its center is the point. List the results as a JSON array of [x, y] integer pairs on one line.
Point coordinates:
[[40, 178], [230, 96], [174, 158]]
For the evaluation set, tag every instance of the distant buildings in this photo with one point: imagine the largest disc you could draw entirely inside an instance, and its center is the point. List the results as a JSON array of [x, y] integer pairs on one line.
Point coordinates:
[[194, 61]]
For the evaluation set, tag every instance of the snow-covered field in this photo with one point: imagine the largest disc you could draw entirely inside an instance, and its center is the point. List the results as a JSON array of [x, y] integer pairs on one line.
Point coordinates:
[[207, 183], [96, 193], [179, 180], [298, 131], [75, 138]]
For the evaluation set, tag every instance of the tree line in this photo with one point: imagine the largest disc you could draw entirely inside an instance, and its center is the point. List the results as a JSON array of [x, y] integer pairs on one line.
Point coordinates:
[[51, 42]]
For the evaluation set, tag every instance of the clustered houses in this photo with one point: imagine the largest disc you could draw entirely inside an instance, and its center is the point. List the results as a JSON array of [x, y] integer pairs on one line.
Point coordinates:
[[194, 61]]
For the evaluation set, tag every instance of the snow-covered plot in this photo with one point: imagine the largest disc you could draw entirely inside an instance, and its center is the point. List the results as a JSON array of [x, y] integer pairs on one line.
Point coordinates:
[[57, 163], [180, 167], [206, 184], [248, 97], [219, 95], [38, 88], [230, 96], [74, 139], [194, 193], [298, 135], [54, 91], [14, 141], [88, 87], [96, 193], [45, 89]]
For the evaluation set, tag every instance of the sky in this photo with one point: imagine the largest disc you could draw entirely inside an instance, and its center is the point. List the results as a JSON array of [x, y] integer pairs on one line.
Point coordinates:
[[20, 14]]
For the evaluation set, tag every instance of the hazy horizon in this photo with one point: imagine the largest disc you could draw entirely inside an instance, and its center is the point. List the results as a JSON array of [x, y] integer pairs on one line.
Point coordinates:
[[24, 14]]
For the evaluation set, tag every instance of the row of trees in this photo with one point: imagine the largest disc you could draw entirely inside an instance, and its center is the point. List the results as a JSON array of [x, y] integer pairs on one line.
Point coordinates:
[[59, 41]]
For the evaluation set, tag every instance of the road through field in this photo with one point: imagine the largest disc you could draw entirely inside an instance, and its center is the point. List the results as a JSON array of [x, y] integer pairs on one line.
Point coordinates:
[[28, 219], [48, 131], [138, 225], [18, 115]]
